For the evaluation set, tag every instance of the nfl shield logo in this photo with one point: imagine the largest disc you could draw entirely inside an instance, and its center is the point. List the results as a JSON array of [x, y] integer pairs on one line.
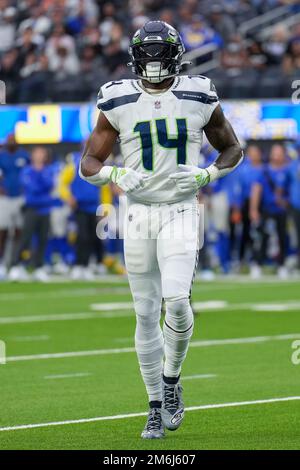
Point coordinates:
[[157, 104]]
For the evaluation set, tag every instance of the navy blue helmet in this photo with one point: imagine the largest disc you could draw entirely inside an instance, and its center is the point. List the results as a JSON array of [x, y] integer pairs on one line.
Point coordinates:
[[156, 51]]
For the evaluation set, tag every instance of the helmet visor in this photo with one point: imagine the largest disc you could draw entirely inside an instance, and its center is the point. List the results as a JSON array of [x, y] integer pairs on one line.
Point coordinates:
[[154, 51]]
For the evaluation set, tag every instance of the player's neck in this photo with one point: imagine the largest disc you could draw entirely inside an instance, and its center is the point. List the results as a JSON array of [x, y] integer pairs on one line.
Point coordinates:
[[158, 86]]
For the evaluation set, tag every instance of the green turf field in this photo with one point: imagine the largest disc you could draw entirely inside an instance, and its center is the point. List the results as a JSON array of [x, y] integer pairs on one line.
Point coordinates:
[[70, 357]]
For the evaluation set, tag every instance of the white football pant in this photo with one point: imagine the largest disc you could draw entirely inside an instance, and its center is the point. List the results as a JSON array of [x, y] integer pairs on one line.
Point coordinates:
[[161, 248]]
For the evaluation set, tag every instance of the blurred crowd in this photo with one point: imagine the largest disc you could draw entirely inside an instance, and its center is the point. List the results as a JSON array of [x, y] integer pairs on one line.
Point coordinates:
[[63, 50], [49, 217]]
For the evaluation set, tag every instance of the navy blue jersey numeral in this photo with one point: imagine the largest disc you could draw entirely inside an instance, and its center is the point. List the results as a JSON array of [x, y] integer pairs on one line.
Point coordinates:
[[163, 139]]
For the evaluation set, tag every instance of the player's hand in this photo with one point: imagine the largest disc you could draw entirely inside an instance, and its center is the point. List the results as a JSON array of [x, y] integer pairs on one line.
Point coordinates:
[[190, 178], [127, 179]]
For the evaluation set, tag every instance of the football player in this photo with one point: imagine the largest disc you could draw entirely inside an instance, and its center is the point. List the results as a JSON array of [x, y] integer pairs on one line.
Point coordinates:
[[160, 118]]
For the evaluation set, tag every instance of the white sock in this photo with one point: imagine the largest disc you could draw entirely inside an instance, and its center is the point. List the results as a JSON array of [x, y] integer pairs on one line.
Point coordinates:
[[177, 329], [149, 346]]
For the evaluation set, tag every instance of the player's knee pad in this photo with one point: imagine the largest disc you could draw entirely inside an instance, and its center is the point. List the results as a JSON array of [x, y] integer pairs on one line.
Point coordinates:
[[147, 309], [147, 318], [179, 315], [148, 334]]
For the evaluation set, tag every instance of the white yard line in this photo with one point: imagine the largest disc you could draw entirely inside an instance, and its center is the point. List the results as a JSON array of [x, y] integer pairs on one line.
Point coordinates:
[[210, 304], [276, 306], [251, 339], [65, 293], [68, 376], [280, 306], [48, 317], [199, 376], [129, 339], [112, 306], [62, 355], [193, 344], [29, 339], [136, 415], [220, 283]]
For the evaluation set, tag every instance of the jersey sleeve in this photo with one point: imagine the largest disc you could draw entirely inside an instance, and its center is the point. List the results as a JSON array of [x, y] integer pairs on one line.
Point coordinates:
[[210, 98], [105, 102]]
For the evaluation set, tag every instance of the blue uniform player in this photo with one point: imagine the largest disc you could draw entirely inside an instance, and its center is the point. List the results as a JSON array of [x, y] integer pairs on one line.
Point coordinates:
[[12, 160], [294, 193], [269, 201]]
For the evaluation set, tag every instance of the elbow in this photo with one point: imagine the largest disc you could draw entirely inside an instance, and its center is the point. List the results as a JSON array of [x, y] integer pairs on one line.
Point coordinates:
[[239, 154], [83, 170]]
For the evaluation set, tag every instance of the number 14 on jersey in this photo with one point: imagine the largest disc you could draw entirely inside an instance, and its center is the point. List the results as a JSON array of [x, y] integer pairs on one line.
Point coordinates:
[[162, 138]]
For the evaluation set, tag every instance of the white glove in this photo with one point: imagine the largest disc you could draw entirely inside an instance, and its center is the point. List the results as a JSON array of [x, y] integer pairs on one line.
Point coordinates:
[[190, 178], [126, 178]]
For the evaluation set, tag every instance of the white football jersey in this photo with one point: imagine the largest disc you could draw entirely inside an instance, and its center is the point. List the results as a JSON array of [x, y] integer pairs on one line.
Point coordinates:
[[159, 131]]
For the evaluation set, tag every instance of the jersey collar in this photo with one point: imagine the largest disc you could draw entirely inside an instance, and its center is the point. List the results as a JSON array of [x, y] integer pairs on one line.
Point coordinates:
[[144, 90]]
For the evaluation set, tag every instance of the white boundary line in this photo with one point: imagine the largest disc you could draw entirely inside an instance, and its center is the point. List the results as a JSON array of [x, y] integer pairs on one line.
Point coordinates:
[[193, 344], [136, 415]]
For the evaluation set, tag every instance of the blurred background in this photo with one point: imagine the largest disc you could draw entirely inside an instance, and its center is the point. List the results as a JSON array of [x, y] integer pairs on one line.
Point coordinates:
[[54, 56]]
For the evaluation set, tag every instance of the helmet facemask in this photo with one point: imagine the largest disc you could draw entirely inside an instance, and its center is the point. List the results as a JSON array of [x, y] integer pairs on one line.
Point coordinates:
[[155, 61]]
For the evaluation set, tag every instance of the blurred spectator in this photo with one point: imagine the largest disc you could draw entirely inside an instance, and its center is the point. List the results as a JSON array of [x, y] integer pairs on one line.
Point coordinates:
[[92, 71], [28, 43], [9, 70], [79, 13], [234, 57], [249, 173], [257, 56], [244, 10], [184, 16], [197, 34], [294, 187], [35, 74], [60, 30], [38, 20], [275, 46], [168, 16], [108, 20], [83, 199], [221, 22], [12, 160], [116, 59], [38, 182], [7, 25], [291, 63], [268, 209], [61, 54], [90, 37]]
